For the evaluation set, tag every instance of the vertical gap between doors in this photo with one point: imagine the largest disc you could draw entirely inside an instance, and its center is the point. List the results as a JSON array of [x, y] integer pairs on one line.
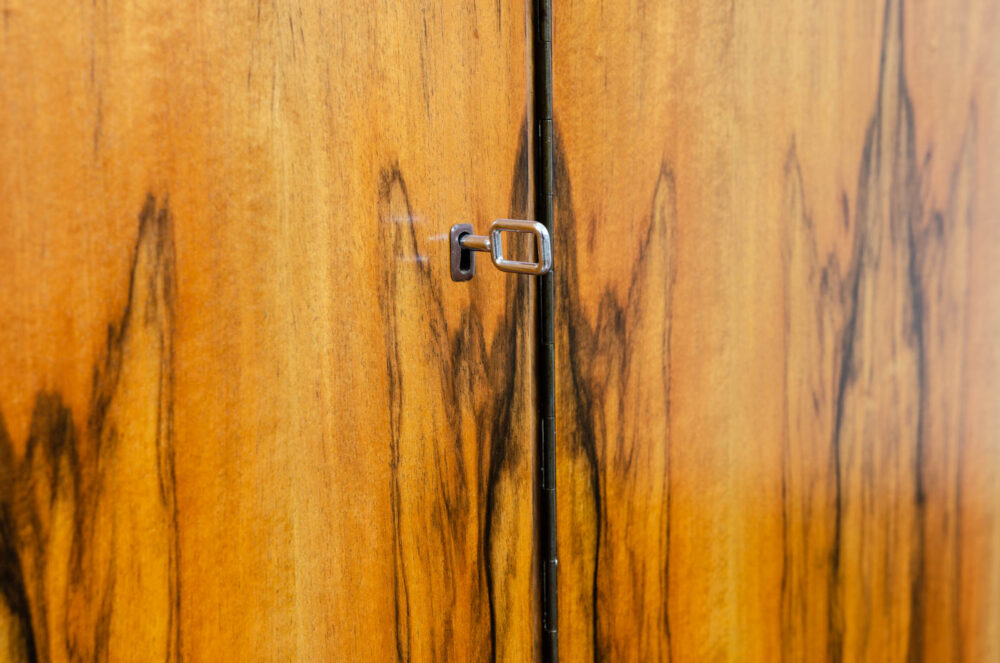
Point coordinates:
[[545, 338]]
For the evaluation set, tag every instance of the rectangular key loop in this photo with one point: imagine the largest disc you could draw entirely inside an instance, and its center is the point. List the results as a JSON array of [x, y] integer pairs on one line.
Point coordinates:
[[543, 246]]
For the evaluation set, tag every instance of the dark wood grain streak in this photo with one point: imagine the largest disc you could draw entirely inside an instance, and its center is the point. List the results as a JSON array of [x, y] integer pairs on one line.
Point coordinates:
[[71, 502], [19, 638], [450, 575], [615, 400], [836, 495], [943, 255], [509, 454], [877, 423], [813, 328]]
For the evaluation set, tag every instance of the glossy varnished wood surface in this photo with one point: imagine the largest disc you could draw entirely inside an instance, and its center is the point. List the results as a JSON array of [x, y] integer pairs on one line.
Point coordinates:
[[245, 414], [778, 305]]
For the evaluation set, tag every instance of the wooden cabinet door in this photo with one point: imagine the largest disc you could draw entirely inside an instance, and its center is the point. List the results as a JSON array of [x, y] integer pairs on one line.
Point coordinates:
[[246, 415], [778, 296]]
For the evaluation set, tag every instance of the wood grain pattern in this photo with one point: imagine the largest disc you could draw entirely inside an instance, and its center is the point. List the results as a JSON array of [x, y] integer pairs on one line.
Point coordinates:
[[245, 413], [777, 418], [91, 515]]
